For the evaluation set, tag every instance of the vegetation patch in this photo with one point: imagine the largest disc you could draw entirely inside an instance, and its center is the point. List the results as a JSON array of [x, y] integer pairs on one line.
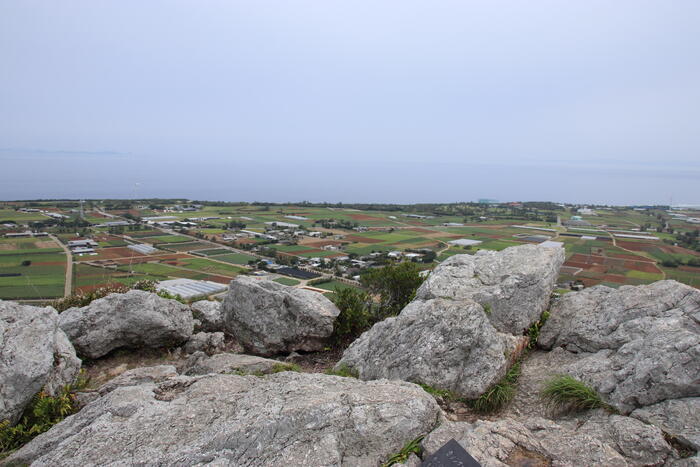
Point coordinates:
[[567, 394], [280, 367], [412, 447], [499, 394], [344, 371]]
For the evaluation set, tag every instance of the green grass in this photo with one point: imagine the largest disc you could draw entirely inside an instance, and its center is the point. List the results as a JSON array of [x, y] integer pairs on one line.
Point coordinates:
[[36, 280], [186, 246], [286, 281], [333, 285], [567, 394], [499, 394], [280, 367], [344, 371]]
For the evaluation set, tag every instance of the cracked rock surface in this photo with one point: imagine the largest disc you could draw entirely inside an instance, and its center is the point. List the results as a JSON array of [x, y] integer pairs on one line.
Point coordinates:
[[283, 419], [268, 318], [637, 346]]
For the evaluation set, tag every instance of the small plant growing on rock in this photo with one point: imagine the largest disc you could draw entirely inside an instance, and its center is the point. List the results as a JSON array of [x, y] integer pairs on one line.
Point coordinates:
[[344, 371], [280, 367], [499, 394], [567, 394], [412, 447], [533, 333], [435, 392]]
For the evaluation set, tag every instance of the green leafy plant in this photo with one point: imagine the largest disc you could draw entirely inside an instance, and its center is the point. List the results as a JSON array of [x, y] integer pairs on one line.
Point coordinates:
[[533, 332], [412, 447], [395, 285], [567, 394], [43, 412], [487, 308], [499, 394], [355, 316], [343, 370]]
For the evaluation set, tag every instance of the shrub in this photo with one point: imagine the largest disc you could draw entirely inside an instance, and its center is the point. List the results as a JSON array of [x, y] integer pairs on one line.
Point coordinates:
[[412, 447], [395, 285], [499, 394], [85, 298], [355, 316], [344, 371], [567, 394]]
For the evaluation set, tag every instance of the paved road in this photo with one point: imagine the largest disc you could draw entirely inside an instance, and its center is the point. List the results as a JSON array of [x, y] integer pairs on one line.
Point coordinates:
[[68, 289]]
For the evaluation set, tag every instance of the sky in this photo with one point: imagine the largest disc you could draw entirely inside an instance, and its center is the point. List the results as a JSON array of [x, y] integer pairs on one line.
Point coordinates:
[[351, 101]]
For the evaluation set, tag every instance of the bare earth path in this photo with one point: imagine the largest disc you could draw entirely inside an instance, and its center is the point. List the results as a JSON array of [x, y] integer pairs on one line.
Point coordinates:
[[69, 267]]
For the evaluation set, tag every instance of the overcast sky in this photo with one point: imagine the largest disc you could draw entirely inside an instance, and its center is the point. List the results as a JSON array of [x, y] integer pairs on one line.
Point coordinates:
[[386, 101]]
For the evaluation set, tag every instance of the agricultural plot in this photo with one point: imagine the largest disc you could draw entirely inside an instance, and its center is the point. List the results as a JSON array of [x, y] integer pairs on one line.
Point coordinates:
[[144, 233], [89, 277], [31, 268], [168, 239], [211, 267], [287, 281], [334, 285], [186, 246], [212, 251], [235, 258]]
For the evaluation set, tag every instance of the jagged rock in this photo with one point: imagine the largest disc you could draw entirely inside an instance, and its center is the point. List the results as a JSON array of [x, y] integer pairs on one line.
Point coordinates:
[[35, 355], [448, 344], [677, 417], [635, 345], [135, 319], [200, 364], [283, 419], [208, 313], [542, 442], [269, 318], [207, 342], [514, 284]]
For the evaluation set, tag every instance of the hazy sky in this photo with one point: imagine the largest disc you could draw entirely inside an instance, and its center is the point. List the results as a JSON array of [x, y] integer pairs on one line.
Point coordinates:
[[387, 101]]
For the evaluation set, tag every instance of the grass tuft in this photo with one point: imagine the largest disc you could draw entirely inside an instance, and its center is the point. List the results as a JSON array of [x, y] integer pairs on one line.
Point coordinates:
[[567, 394], [499, 394], [344, 371], [280, 367]]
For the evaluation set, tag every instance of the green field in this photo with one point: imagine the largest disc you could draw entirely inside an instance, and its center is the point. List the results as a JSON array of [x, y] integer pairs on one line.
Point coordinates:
[[333, 285], [211, 267], [212, 251], [185, 246], [168, 239], [235, 258], [35, 280], [287, 281]]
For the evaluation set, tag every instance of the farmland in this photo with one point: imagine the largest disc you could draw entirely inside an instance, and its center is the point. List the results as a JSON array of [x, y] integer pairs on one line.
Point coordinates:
[[218, 242]]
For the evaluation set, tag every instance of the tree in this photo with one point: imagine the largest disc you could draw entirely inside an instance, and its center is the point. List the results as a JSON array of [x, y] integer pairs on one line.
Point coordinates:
[[355, 316], [395, 284]]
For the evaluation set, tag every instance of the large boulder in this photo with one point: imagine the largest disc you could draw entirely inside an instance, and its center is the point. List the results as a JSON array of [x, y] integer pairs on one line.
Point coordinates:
[[442, 343], [134, 319], [268, 318], [603, 440], [637, 346], [283, 419], [209, 315], [465, 326], [513, 285], [35, 355]]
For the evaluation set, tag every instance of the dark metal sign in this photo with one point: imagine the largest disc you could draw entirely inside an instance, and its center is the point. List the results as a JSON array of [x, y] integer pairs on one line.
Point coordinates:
[[452, 454]]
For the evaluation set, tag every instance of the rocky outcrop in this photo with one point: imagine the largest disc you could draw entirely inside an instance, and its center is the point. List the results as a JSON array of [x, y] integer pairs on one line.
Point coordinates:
[[466, 324], [35, 355], [207, 342], [209, 315], [283, 419], [268, 318], [443, 343], [603, 440], [135, 319], [637, 346], [514, 285], [679, 418], [228, 363]]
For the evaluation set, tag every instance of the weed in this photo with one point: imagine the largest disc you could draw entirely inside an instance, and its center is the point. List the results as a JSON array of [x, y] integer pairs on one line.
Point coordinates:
[[435, 392], [567, 394], [343, 370], [412, 447], [499, 394], [487, 308], [533, 332], [280, 367]]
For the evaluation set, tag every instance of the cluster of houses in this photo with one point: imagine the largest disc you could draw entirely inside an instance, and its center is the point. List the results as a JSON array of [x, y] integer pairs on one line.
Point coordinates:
[[82, 247]]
